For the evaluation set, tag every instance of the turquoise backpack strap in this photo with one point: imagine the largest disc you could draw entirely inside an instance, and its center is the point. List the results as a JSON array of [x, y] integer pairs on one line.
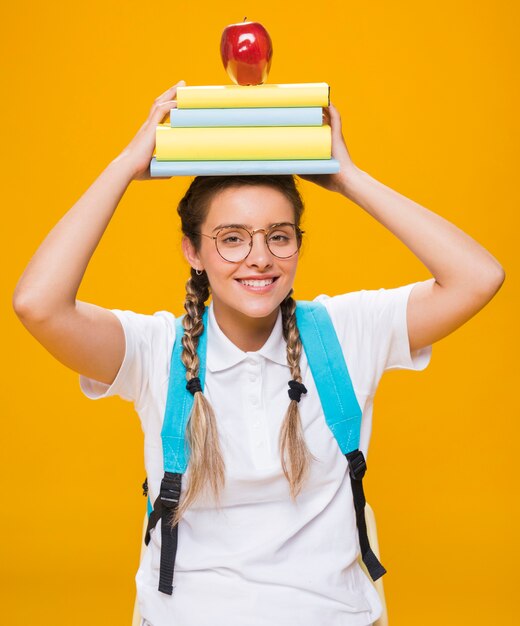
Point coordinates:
[[179, 403], [330, 373], [340, 406]]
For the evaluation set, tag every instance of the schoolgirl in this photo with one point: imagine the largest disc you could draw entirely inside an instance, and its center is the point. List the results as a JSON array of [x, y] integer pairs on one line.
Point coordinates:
[[266, 523]]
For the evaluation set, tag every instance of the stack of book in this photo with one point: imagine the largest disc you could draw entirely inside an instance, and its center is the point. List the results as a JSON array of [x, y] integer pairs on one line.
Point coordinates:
[[237, 129]]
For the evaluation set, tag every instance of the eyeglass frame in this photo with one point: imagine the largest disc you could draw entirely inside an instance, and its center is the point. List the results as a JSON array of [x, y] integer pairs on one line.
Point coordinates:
[[298, 231]]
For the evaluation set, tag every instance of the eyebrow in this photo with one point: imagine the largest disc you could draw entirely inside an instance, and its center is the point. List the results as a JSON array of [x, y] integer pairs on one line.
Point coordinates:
[[232, 226], [248, 226]]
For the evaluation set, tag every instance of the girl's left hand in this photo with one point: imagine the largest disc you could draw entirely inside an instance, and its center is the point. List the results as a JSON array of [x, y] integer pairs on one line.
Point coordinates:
[[334, 182]]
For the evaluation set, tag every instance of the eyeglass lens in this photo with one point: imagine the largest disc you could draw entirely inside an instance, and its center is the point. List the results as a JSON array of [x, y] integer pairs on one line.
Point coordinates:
[[234, 243]]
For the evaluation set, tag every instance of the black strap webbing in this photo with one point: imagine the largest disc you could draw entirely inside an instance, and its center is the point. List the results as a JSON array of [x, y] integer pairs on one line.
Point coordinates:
[[164, 509], [357, 469]]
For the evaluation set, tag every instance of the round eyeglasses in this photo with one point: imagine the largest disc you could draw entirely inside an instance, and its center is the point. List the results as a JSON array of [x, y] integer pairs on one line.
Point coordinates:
[[234, 242]]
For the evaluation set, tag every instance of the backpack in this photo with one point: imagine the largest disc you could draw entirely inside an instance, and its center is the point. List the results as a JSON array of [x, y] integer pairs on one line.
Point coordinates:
[[339, 403]]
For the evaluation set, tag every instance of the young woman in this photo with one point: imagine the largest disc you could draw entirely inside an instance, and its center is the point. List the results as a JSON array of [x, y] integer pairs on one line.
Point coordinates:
[[267, 530]]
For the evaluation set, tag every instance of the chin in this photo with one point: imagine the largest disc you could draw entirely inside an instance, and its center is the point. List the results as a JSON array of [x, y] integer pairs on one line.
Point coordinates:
[[258, 310], [256, 306]]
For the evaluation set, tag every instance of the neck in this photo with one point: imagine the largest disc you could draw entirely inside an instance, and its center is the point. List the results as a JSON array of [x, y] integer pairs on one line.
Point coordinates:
[[247, 333]]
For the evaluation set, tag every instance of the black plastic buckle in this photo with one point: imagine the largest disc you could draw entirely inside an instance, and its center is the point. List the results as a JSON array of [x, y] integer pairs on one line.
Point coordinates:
[[357, 464], [170, 490]]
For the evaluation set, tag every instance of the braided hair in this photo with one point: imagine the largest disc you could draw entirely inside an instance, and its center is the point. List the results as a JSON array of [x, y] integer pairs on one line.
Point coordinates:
[[292, 441], [207, 466]]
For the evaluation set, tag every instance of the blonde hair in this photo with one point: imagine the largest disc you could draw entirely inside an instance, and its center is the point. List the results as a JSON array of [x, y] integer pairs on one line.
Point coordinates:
[[206, 464]]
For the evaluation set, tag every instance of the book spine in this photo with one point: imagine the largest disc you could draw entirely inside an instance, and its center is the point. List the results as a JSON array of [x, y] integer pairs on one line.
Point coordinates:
[[248, 142], [253, 116], [235, 96], [223, 168]]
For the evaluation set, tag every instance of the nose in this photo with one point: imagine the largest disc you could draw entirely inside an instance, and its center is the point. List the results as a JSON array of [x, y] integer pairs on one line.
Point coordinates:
[[260, 255]]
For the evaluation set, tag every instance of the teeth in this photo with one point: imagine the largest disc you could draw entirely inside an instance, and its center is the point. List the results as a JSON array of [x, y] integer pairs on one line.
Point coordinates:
[[257, 283]]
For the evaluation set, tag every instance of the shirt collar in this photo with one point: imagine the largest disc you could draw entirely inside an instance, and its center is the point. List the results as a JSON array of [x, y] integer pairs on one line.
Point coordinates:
[[223, 353]]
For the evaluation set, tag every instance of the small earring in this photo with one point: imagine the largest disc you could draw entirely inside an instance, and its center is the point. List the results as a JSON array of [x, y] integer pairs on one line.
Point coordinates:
[[198, 272]]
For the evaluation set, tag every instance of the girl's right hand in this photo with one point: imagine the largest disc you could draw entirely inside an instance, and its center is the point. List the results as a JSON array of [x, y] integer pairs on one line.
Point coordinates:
[[139, 151]]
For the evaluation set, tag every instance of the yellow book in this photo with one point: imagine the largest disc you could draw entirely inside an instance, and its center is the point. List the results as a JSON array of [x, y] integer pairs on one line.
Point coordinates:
[[231, 96], [242, 143]]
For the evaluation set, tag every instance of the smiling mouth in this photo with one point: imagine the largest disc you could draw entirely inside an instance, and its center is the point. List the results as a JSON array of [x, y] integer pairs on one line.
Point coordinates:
[[264, 282]]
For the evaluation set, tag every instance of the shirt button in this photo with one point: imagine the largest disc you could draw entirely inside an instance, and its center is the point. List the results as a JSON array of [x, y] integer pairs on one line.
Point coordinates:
[[259, 444], [256, 424], [254, 401], [252, 378]]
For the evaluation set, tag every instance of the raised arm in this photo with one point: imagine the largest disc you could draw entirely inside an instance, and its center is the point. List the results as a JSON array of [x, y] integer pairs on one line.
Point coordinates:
[[465, 275], [85, 337]]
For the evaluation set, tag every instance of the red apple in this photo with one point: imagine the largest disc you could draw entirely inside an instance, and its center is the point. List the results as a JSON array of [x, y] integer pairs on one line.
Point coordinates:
[[246, 52]]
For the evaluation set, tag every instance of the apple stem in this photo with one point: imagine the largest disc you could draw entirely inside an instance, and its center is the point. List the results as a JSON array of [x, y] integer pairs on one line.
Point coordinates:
[[245, 18]]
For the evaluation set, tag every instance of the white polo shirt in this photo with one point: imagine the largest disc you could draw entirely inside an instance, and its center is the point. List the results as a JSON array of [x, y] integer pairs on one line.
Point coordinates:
[[263, 560]]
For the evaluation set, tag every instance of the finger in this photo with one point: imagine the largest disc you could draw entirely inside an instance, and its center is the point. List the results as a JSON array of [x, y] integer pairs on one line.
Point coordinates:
[[160, 110], [326, 115], [170, 93], [335, 122], [335, 117]]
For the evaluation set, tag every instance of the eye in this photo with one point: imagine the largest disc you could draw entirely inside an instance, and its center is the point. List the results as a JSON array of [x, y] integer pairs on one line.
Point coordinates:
[[281, 236], [232, 238]]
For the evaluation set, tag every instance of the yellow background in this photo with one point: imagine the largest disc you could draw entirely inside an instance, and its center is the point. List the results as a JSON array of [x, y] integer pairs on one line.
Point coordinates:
[[429, 104]]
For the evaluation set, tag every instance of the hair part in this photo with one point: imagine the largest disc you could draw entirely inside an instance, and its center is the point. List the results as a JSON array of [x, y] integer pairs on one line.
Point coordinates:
[[194, 206]]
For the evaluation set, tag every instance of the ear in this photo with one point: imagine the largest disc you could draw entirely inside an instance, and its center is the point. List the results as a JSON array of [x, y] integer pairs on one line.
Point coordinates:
[[190, 253]]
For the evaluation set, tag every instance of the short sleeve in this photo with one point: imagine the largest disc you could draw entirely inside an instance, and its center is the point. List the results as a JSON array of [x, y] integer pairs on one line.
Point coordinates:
[[372, 326], [399, 355], [147, 338]]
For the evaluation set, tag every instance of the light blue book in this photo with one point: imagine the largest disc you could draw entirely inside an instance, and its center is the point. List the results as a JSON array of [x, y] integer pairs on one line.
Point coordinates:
[[261, 116], [226, 168]]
